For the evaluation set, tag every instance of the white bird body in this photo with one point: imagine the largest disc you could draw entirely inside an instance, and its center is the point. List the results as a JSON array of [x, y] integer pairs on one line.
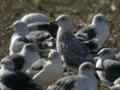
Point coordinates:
[[52, 71], [102, 32], [29, 55], [18, 38], [15, 43]]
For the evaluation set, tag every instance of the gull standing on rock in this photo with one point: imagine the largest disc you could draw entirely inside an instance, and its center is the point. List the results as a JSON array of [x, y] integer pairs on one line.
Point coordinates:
[[72, 50], [110, 65], [97, 32], [85, 80]]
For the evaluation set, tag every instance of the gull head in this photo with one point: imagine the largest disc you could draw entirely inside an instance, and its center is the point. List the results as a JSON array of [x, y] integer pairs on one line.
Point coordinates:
[[6, 63], [35, 17], [64, 20], [19, 26], [32, 47], [107, 53], [88, 68], [13, 62], [99, 18]]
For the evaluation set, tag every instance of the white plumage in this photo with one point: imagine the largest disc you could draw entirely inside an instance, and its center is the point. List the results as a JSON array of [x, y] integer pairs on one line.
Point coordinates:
[[52, 70]]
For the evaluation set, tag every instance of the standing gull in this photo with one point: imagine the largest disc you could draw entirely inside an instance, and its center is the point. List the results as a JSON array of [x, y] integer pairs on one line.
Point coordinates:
[[18, 39], [72, 50], [85, 80], [110, 65], [97, 32], [51, 70]]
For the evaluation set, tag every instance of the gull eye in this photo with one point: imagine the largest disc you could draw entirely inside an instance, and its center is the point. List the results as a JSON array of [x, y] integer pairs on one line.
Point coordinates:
[[100, 18]]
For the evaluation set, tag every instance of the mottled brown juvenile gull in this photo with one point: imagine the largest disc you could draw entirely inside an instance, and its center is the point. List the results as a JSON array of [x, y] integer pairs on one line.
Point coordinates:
[[97, 32], [110, 65], [85, 80], [18, 39], [72, 50]]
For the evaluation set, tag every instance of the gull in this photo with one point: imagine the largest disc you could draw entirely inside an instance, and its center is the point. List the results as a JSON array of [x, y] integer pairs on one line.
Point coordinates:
[[18, 39], [18, 81], [42, 38], [72, 50], [110, 65], [35, 20], [34, 17], [49, 71], [23, 60], [46, 27], [30, 52], [85, 80], [13, 62], [39, 21], [97, 32]]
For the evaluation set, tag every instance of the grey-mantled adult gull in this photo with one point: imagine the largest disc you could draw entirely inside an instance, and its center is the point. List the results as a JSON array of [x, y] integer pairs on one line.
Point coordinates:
[[97, 32], [85, 80], [110, 65], [50, 71], [18, 39], [72, 50]]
